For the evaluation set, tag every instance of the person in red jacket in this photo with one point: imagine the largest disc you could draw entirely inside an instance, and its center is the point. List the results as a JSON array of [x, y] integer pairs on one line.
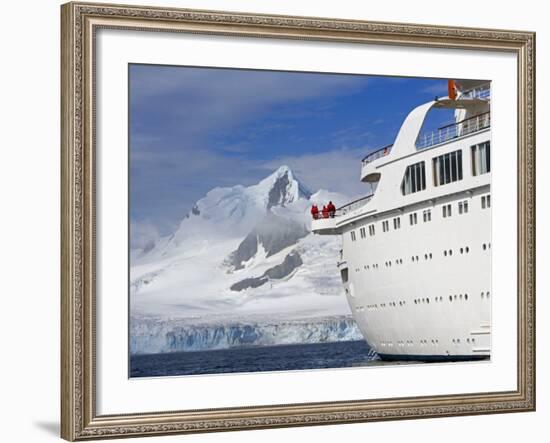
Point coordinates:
[[325, 212], [331, 209], [315, 212]]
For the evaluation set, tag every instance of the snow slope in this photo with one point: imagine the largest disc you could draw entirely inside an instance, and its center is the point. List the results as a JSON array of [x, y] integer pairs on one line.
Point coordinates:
[[243, 255]]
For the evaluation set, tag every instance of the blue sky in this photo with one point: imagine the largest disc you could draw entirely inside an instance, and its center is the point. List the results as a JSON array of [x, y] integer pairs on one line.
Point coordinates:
[[192, 129]]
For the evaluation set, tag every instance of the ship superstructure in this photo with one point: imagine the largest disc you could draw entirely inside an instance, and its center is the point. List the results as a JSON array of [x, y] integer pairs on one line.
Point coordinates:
[[416, 252]]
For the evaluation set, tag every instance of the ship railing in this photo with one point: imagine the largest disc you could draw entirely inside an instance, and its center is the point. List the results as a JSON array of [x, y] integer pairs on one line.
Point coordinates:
[[354, 205], [482, 92], [454, 130], [377, 154], [343, 210]]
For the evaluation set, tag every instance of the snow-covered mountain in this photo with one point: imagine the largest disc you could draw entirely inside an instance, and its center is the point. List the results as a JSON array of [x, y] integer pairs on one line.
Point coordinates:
[[242, 256]]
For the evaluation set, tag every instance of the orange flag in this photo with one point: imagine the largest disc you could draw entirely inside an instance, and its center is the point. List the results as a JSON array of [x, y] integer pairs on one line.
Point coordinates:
[[452, 89]]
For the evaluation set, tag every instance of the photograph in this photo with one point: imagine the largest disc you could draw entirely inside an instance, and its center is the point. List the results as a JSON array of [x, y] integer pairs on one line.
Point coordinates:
[[287, 220]]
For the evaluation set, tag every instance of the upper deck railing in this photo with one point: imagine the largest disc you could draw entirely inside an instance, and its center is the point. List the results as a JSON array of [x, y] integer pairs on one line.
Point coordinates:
[[482, 92], [352, 206], [454, 130], [377, 154]]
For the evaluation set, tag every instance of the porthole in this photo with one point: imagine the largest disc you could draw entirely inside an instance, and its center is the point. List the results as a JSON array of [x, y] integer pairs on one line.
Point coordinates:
[[445, 253], [465, 296], [467, 249], [425, 256], [488, 294], [450, 252], [450, 298], [461, 250], [484, 246], [430, 255]]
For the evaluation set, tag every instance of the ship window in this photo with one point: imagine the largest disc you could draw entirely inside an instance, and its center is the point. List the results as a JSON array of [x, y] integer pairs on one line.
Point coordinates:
[[463, 207], [344, 274], [414, 179], [413, 218], [362, 232], [397, 223], [486, 201], [447, 168], [481, 158], [353, 238], [385, 226], [371, 230], [446, 211], [427, 215]]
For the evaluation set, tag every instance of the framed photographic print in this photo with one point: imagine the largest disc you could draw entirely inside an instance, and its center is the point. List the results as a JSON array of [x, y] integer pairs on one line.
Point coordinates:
[[283, 221]]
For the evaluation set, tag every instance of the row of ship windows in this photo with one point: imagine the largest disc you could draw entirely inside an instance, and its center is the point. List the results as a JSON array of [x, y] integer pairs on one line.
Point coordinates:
[[447, 168], [427, 256], [426, 216], [424, 342], [417, 301]]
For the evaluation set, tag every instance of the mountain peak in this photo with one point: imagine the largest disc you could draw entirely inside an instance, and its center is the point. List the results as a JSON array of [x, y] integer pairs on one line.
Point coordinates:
[[282, 188], [279, 173], [281, 170]]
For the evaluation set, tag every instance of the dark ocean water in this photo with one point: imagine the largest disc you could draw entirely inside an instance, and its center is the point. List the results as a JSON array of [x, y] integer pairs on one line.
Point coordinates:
[[258, 359]]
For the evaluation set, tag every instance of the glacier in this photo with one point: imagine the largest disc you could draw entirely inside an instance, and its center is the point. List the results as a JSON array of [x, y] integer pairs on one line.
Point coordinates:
[[155, 336]]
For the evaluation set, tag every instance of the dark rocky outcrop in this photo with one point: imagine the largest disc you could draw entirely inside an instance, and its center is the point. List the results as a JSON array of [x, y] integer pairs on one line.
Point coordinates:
[[291, 262], [273, 233]]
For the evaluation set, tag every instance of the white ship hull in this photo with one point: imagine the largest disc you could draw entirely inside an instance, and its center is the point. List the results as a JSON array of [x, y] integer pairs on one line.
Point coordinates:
[[424, 291]]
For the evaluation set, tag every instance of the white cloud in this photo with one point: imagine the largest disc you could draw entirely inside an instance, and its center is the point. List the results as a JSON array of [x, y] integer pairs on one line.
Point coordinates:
[[143, 235]]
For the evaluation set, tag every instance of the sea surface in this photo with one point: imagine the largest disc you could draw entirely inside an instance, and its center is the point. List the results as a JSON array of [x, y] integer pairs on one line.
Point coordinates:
[[254, 359]]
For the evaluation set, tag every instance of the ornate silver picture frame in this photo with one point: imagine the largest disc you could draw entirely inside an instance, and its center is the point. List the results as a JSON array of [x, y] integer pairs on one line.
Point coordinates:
[[80, 24]]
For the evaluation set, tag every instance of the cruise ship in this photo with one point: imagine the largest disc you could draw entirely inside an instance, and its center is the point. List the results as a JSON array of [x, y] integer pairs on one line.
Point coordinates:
[[415, 261]]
